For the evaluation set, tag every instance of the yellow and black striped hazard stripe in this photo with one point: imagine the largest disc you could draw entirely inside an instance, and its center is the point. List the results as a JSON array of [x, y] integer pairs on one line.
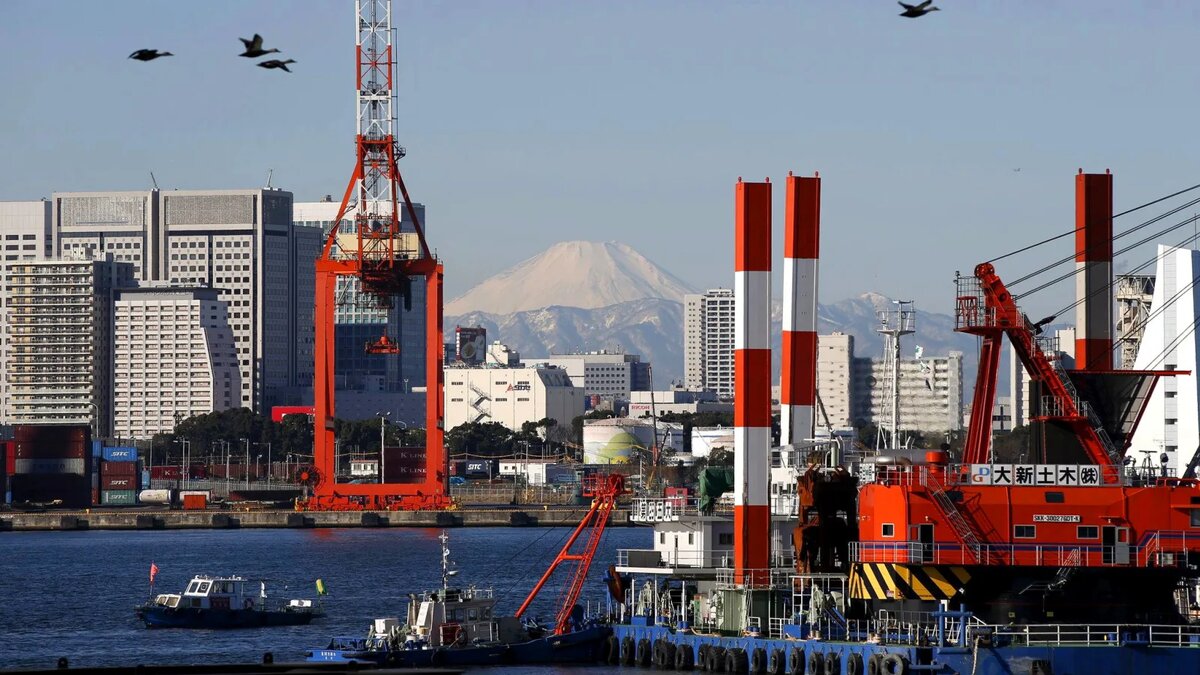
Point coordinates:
[[887, 581]]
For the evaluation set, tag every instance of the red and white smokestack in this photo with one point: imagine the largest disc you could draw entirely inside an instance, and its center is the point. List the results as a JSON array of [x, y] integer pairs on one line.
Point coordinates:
[[752, 383], [1093, 266], [801, 239]]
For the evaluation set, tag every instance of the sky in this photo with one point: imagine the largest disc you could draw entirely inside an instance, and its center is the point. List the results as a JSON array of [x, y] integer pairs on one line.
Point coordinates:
[[942, 142]]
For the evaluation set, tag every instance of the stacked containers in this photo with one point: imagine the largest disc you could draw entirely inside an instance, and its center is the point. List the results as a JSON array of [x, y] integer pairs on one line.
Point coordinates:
[[52, 463], [6, 469], [118, 476]]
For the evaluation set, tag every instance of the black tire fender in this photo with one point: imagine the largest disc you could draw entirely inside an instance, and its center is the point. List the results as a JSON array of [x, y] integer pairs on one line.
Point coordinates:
[[758, 661], [816, 664], [644, 653], [854, 664], [833, 663], [895, 664], [875, 664], [715, 662], [683, 657], [797, 663], [627, 650]]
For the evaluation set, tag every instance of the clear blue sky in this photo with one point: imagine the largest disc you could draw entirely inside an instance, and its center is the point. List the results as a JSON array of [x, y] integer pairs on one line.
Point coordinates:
[[534, 122]]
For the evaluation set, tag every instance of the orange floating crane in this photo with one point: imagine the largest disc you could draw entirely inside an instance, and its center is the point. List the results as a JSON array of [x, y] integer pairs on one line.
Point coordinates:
[[368, 244]]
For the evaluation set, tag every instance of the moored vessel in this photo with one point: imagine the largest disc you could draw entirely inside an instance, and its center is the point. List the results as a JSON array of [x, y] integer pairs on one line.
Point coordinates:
[[225, 602]]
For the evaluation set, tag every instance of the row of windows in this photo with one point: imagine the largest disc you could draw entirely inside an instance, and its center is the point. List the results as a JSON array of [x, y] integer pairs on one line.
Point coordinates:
[[1019, 531]]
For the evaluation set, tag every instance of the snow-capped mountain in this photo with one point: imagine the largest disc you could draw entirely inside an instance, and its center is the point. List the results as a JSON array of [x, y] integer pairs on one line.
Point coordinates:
[[582, 274]]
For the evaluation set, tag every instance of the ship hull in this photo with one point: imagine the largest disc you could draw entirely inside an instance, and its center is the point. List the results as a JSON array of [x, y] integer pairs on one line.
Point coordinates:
[[165, 617], [581, 646]]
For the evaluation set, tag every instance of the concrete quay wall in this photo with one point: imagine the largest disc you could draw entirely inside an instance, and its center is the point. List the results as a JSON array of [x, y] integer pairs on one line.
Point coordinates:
[[136, 519]]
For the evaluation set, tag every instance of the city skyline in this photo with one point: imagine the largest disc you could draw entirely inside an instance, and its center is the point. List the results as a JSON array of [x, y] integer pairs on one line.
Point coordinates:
[[948, 140]]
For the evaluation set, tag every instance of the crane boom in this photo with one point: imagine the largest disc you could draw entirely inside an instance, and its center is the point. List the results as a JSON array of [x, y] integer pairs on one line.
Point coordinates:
[[604, 490]]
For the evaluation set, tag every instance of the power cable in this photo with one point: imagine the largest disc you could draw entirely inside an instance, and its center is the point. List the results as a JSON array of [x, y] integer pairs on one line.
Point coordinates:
[[1131, 230], [1115, 216], [1077, 270]]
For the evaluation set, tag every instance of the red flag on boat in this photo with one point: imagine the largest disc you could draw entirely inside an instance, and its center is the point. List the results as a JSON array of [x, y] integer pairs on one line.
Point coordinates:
[[153, 572]]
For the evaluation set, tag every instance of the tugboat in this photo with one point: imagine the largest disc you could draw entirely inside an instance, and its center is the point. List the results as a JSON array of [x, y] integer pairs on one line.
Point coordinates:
[[225, 602], [459, 627]]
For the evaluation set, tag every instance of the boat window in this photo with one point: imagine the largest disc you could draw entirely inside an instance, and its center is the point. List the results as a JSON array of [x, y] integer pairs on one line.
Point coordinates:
[[1055, 498], [1024, 531], [204, 586], [472, 614], [662, 537], [1195, 517], [193, 586], [1087, 532], [889, 530], [486, 613], [456, 615], [691, 537]]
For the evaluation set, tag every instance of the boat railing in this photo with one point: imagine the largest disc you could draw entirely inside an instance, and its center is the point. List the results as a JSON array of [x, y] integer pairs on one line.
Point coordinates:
[[1162, 549], [634, 557], [1153, 635]]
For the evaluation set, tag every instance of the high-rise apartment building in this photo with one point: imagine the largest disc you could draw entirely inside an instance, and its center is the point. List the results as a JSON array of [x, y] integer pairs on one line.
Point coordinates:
[[58, 352], [708, 341], [931, 392], [241, 243], [367, 384], [174, 356], [25, 234], [835, 374]]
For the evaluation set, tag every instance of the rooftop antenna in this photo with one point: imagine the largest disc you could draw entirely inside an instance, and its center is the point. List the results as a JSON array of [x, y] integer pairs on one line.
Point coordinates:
[[152, 180], [270, 174]]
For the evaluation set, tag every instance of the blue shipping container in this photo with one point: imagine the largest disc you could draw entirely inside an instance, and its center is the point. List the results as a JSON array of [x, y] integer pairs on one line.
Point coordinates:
[[97, 448], [145, 479], [479, 467], [120, 454]]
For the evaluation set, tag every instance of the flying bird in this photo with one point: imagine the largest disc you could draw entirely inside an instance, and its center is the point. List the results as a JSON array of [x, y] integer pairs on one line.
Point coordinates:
[[918, 11], [254, 48], [148, 54], [275, 63]]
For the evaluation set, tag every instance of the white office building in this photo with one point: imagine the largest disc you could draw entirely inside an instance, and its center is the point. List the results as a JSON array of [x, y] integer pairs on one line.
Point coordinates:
[[931, 392], [240, 242], [174, 357], [1169, 423], [58, 352], [708, 341], [602, 373], [511, 396]]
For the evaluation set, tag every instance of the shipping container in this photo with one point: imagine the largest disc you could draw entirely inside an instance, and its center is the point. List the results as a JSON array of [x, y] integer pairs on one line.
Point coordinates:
[[95, 496], [207, 493], [97, 449], [480, 468], [193, 502], [403, 465], [145, 483], [34, 441], [118, 482], [157, 497], [118, 497], [124, 454], [166, 472], [72, 490], [108, 468], [77, 466], [458, 468]]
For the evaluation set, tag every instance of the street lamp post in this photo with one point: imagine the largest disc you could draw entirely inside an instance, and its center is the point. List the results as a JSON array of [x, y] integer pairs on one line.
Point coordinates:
[[245, 472], [383, 445]]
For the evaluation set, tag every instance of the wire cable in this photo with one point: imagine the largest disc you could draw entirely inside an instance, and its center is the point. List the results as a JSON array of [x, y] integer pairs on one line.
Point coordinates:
[[1115, 216]]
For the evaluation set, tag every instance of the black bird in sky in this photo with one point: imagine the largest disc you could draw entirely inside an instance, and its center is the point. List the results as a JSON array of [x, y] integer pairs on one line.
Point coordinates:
[[918, 11], [275, 63], [148, 54], [254, 48]]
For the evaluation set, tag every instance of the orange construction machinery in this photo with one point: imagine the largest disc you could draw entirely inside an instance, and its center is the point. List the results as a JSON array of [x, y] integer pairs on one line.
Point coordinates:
[[368, 244]]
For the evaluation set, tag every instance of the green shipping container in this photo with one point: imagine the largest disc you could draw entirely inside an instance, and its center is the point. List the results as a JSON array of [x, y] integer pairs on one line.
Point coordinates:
[[118, 497]]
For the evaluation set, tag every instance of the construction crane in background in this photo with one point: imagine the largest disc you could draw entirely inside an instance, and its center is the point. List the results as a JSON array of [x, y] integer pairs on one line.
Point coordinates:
[[368, 244]]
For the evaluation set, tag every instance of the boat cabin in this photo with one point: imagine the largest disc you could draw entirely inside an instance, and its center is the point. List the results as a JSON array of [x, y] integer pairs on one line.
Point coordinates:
[[458, 617], [205, 592]]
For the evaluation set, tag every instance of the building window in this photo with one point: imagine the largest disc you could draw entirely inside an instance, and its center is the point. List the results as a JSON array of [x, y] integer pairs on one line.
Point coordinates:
[[662, 537], [1087, 532], [888, 530], [726, 538], [1024, 531]]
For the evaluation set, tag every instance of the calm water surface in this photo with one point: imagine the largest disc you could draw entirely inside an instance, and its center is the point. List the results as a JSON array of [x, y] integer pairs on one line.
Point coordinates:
[[72, 593]]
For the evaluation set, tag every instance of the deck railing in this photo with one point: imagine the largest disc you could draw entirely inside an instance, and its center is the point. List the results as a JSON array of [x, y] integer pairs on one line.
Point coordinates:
[[1162, 549]]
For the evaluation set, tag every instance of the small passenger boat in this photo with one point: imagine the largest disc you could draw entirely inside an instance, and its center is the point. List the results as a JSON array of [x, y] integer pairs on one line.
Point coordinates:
[[225, 602]]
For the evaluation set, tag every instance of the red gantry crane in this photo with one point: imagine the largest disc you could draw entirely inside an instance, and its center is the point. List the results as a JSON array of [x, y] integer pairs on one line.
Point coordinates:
[[368, 244]]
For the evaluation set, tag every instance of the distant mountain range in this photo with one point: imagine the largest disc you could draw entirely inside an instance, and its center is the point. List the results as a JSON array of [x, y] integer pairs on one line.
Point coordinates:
[[584, 296], [584, 274]]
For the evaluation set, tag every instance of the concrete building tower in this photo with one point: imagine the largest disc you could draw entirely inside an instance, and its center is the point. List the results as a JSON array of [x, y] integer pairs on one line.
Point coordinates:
[[1169, 423], [59, 346], [708, 335], [174, 357]]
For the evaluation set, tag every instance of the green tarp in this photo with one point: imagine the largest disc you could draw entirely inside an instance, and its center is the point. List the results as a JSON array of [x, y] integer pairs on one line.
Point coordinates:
[[713, 484]]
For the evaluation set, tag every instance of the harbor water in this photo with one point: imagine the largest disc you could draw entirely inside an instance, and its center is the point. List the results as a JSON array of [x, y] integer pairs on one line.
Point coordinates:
[[72, 594]]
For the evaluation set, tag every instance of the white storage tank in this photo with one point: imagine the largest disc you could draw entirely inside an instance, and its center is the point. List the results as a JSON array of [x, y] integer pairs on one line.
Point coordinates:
[[615, 440], [155, 497], [707, 439]]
